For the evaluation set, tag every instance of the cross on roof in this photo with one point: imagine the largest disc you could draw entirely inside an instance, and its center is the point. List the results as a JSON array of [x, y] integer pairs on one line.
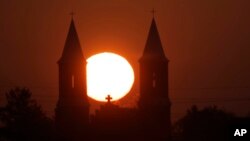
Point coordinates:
[[108, 98]]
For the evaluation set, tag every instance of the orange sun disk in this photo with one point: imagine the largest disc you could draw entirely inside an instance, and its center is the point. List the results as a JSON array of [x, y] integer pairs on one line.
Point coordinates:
[[108, 74]]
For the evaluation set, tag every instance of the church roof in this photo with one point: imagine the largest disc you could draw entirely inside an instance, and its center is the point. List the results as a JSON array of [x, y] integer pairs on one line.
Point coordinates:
[[72, 49], [153, 49]]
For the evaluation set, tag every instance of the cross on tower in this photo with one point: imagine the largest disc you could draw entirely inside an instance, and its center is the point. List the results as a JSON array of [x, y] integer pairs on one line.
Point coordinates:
[[153, 12], [72, 14], [108, 98]]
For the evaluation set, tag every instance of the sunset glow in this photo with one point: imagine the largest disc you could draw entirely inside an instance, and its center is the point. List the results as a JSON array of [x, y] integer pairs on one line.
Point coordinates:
[[108, 74]]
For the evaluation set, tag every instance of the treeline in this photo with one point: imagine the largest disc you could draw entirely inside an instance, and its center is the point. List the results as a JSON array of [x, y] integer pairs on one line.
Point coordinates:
[[22, 119], [207, 124]]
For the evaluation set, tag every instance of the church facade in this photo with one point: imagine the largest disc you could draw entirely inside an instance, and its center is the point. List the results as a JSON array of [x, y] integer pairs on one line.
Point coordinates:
[[150, 121]]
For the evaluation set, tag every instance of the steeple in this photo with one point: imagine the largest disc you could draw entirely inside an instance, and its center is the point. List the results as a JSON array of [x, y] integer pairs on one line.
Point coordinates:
[[72, 49], [72, 110], [153, 49], [154, 102]]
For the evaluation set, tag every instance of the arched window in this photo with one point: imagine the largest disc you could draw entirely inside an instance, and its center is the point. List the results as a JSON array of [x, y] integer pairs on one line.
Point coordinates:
[[154, 80], [73, 81]]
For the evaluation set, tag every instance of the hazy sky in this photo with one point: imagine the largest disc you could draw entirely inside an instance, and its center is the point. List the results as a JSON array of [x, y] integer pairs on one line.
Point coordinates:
[[207, 43]]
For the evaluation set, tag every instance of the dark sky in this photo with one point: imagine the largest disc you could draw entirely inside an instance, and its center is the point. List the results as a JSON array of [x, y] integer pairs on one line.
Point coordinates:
[[207, 43]]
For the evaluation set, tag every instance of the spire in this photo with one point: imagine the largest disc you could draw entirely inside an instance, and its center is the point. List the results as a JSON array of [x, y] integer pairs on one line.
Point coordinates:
[[153, 49], [72, 49]]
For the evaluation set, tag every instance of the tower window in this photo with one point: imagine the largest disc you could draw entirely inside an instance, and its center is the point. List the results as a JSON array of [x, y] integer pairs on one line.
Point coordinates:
[[72, 81], [154, 80]]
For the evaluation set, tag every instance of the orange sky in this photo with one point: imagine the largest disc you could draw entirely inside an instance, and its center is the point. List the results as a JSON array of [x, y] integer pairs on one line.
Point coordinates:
[[207, 43]]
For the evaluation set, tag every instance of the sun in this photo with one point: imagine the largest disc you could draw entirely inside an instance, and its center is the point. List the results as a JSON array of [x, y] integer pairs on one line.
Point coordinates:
[[108, 74]]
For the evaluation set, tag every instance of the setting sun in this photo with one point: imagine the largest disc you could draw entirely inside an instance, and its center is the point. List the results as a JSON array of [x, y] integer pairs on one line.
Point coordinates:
[[108, 74]]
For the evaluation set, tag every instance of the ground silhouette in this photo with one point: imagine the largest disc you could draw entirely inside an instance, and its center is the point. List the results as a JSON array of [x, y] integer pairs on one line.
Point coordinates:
[[22, 118], [207, 124]]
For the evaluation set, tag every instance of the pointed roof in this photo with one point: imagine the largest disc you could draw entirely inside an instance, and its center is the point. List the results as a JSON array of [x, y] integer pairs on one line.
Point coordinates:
[[72, 49], [153, 49]]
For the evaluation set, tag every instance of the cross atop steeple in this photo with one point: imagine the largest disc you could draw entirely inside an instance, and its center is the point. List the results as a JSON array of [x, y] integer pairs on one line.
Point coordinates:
[[153, 12], [72, 14], [108, 98]]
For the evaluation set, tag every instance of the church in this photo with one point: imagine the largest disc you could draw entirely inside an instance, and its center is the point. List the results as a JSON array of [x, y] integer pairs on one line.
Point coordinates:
[[150, 121]]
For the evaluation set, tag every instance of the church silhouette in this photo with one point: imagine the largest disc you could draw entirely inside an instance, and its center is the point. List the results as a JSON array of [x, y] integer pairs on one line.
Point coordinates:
[[150, 121]]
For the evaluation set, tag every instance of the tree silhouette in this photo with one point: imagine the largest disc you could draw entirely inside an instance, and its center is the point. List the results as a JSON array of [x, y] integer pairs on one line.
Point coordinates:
[[208, 124], [248, 114], [23, 118]]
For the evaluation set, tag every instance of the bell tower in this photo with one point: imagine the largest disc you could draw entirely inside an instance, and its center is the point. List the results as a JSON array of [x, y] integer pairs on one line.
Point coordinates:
[[154, 101], [72, 110]]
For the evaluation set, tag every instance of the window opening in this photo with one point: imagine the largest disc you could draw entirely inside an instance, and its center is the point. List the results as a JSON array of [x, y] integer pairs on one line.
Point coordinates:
[[73, 81]]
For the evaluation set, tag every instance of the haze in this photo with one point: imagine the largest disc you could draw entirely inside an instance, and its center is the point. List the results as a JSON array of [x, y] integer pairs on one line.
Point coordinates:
[[207, 43]]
